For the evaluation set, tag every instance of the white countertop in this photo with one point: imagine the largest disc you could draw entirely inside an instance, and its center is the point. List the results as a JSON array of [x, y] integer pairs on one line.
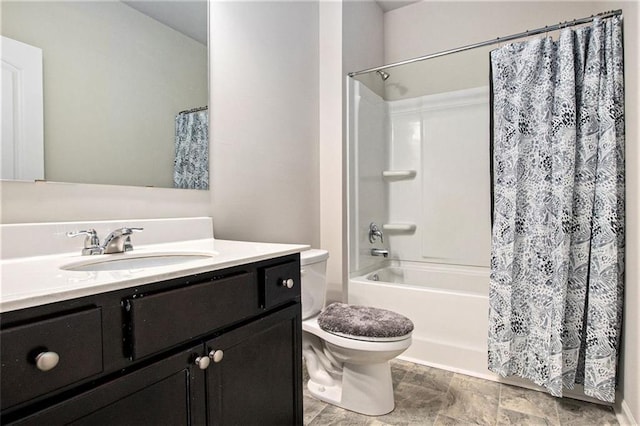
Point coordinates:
[[31, 281]]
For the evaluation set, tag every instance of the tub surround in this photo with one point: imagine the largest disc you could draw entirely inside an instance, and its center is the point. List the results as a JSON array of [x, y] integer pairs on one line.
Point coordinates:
[[29, 281]]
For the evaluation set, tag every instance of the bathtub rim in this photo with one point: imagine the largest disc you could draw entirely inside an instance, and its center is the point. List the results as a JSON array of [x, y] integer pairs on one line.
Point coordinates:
[[432, 266], [361, 276]]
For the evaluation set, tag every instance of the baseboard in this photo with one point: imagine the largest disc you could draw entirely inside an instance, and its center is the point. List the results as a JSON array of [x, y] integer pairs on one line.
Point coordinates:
[[624, 415]]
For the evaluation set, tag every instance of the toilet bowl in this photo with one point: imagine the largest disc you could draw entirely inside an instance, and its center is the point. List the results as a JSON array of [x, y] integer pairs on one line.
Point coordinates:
[[347, 349]]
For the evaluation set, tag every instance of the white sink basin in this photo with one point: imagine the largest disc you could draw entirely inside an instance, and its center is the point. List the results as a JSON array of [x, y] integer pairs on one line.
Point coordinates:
[[128, 261]]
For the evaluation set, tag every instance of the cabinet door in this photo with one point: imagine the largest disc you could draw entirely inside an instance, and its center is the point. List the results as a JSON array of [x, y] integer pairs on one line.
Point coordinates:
[[167, 392], [258, 381]]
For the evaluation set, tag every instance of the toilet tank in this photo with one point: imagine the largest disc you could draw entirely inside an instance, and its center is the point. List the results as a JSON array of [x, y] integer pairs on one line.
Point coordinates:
[[313, 273]]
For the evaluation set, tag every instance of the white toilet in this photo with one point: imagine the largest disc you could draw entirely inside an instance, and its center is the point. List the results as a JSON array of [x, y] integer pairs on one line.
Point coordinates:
[[347, 348]]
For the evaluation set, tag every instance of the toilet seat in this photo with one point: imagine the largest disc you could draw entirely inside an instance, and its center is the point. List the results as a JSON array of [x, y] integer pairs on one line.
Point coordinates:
[[364, 322], [372, 344]]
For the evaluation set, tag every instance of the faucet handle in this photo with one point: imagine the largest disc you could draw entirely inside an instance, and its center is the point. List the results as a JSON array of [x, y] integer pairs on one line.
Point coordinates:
[[91, 241], [374, 233], [127, 242]]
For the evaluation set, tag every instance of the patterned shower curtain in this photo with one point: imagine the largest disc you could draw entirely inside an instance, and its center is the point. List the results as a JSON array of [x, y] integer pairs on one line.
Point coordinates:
[[557, 259], [191, 164]]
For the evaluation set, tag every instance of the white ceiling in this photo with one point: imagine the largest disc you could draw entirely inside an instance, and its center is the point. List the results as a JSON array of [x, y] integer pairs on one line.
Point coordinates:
[[186, 16], [190, 16]]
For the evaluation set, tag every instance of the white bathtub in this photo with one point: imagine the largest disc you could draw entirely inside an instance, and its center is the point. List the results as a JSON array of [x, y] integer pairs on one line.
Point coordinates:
[[448, 305]]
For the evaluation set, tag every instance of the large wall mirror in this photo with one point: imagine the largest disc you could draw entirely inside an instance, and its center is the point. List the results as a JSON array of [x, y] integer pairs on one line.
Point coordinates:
[[125, 89]]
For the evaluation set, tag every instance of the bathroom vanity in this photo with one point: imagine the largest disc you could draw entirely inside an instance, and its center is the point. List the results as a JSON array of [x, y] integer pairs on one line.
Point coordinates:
[[214, 341]]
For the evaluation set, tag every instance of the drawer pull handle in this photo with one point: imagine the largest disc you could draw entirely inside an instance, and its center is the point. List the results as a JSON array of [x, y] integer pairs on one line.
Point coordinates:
[[287, 283], [216, 356], [46, 361], [202, 362]]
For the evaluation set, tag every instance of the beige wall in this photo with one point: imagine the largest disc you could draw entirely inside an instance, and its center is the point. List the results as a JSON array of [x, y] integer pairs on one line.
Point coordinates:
[[464, 70], [331, 156], [428, 27], [114, 79], [630, 369], [264, 109]]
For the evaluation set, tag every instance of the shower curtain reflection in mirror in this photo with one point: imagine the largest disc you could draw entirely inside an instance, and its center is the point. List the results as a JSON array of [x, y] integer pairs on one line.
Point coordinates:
[[191, 165]]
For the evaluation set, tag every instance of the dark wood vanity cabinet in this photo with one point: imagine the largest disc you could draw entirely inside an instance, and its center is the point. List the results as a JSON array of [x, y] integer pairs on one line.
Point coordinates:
[[198, 350]]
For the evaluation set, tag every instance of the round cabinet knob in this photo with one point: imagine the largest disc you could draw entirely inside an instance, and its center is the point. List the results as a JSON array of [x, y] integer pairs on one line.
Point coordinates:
[[202, 362], [287, 283], [46, 361], [216, 356]]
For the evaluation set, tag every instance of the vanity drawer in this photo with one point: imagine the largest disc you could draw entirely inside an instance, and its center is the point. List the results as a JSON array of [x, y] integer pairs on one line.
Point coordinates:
[[279, 284], [159, 321], [76, 339]]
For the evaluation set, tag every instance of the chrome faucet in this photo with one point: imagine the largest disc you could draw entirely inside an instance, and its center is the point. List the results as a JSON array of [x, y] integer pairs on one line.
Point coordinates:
[[379, 252], [375, 233], [117, 241]]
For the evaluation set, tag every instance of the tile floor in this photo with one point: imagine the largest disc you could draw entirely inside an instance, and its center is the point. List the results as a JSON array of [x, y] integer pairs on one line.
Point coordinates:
[[429, 396]]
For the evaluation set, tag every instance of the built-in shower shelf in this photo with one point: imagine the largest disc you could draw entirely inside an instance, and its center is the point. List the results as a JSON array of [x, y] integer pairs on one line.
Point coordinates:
[[404, 228], [398, 174]]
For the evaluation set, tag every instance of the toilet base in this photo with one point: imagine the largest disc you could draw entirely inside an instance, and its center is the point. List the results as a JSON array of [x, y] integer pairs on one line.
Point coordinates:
[[364, 388]]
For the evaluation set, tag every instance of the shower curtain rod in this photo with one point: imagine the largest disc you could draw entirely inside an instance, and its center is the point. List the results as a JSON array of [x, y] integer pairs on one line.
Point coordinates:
[[494, 41], [187, 111]]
